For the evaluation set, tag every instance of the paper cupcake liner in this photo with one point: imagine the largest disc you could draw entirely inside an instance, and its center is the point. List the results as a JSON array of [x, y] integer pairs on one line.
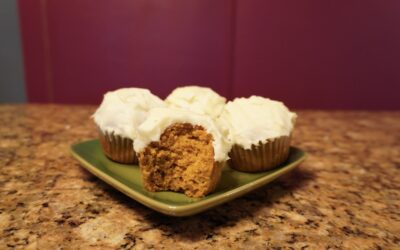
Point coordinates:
[[118, 148], [261, 157], [215, 176]]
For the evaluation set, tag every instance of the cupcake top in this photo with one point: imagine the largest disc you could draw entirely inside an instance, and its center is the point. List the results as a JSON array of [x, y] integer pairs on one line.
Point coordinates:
[[201, 100], [247, 121], [159, 119], [122, 110]]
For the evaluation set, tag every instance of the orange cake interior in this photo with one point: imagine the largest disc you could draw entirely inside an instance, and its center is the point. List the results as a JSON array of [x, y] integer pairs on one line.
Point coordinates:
[[182, 161]]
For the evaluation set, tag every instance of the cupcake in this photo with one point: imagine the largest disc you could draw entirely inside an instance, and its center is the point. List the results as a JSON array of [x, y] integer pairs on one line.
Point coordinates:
[[180, 151], [259, 130], [117, 119], [197, 99]]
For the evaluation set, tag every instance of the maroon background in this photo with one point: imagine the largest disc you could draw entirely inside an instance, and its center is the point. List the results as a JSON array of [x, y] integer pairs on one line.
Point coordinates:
[[309, 54]]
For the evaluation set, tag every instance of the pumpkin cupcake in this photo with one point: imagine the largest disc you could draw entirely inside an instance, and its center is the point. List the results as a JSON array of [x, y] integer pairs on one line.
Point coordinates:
[[117, 119], [201, 100], [180, 151], [260, 130]]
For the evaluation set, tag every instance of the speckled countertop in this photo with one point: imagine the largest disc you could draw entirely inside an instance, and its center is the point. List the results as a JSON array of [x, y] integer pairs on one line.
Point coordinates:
[[346, 195]]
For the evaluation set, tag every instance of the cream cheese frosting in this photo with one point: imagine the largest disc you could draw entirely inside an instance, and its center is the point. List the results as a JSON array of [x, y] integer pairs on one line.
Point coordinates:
[[159, 119], [247, 121], [122, 110], [201, 100]]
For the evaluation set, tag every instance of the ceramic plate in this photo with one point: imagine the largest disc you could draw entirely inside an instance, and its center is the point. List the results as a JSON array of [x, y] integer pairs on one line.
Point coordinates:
[[127, 179]]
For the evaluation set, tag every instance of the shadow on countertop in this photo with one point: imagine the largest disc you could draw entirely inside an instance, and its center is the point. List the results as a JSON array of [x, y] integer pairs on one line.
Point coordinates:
[[206, 224]]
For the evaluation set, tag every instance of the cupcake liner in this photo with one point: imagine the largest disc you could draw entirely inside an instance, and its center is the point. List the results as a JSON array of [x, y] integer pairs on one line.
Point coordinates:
[[118, 148], [261, 157], [215, 176]]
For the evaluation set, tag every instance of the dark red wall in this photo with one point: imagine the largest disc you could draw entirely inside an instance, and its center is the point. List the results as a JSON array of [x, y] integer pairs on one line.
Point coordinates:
[[310, 54], [319, 54]]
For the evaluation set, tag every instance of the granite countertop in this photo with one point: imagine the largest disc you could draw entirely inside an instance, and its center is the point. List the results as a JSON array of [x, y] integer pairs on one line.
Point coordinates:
[[346, 195]]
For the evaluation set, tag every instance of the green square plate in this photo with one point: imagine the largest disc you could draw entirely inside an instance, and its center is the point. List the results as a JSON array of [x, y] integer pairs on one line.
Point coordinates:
[[127, 179]]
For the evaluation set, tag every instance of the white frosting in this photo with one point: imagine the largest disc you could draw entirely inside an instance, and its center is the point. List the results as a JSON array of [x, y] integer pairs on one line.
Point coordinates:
[[201, 100], [160, 118], [124, 109], [247, 121]]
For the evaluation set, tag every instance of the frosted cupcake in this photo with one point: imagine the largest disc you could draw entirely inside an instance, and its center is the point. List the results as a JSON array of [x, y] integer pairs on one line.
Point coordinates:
[[180, 151], [259, 130], [118, 117], [197, 99]]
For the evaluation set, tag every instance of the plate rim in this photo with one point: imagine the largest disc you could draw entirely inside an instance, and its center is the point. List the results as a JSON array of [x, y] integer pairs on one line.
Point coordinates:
[[187, 209]]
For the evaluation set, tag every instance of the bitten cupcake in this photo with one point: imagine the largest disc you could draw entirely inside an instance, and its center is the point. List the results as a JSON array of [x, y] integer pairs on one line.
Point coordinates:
[[117, 119], [260, 131], [201, 100], [180, 151]]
